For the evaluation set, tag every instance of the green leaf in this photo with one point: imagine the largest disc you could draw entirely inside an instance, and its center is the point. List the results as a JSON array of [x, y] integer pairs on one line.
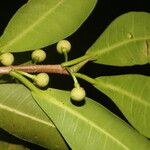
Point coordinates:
[[40, 23], [22, 117], [125, 42], [11, 146], [90, 126], [131, 93]]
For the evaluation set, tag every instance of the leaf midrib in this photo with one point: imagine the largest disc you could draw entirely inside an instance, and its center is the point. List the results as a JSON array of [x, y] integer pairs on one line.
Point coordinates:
[[78, 115], [101, 52], [122, 91], [33, 25], [15, 111]]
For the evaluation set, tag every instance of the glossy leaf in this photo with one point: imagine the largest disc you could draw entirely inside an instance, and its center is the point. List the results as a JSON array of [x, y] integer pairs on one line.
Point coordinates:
[[90, 126], [22, 117], [125, 42], [131, 93], [40, 23]]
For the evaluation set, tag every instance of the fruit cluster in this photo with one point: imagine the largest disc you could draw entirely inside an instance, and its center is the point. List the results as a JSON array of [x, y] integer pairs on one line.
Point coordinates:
[[42, 79]]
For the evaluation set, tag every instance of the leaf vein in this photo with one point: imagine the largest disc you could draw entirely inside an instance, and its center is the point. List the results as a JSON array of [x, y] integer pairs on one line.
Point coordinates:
[[101, 52], [78, 115], [124, 92], [33, 25], [24, 115]]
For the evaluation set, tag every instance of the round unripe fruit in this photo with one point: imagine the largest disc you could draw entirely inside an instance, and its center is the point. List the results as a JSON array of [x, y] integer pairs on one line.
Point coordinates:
[[38, 55], [7, 59], [63, 46], [42, 79], [78, 94]]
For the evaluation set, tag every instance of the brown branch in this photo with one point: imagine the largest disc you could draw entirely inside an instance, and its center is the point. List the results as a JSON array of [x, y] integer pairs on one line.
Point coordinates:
[[35, 69]]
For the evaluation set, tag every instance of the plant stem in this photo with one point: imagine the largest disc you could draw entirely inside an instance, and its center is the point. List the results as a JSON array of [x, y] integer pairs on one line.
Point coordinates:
[[85, 77], [25, 74], [35, 69], [24, 80], [76, 84], [75, 61], [77, 67], [66, 56]]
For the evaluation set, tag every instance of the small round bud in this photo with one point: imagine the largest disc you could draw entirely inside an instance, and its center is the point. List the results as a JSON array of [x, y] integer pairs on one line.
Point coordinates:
[[42, 79], [7, 59], [78, 94], [38, 55], [63, 46]]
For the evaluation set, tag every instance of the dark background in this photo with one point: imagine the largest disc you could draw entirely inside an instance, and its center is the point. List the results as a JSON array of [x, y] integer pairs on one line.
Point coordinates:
[[101, 17]]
